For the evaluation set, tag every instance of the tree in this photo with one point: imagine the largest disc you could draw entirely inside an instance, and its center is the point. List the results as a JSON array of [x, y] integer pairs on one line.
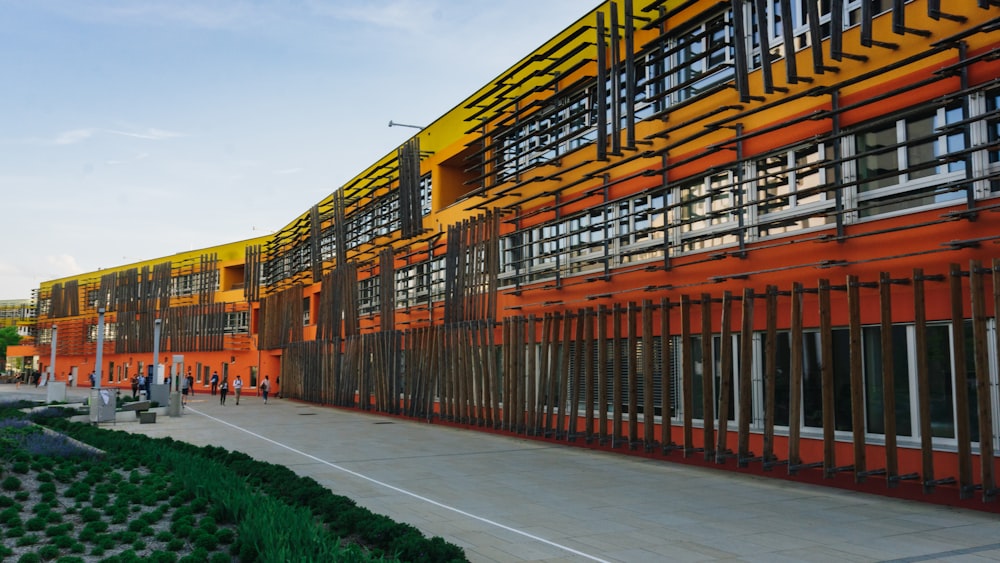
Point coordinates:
[[8, 337]]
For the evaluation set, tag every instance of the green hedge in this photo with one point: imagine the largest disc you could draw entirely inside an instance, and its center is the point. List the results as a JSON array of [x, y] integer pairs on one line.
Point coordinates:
[[218, 472]]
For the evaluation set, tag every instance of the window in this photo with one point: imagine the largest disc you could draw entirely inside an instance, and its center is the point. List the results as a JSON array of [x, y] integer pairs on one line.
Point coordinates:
[[305, 311], [238, 322], [707, 213], [791, 190], [900, 163], [425, 194], [993, 137]]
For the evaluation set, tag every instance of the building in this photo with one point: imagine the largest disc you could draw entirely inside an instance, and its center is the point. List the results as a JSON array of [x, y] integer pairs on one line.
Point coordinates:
[[756, 235], [191, 305]]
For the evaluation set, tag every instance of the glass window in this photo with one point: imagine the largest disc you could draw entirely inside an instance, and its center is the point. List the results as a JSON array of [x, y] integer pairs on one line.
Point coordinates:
[[874, 396], [899, 163], [706, 214]]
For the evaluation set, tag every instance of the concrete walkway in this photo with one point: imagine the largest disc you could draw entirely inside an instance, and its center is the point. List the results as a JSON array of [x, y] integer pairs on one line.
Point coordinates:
[[508, 499]]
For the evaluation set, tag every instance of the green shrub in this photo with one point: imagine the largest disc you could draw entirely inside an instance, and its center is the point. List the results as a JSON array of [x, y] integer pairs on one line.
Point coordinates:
[[29, 558], [10, 483], [27, 539], [15, 531], [64, 542], [78, 548], [48, 552], [225, 535], [139, 545], [206, 541], [35, 524], [176, 544]]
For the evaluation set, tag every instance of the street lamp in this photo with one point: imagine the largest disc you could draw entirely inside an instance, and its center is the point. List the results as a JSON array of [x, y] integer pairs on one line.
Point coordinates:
[[52, 360]]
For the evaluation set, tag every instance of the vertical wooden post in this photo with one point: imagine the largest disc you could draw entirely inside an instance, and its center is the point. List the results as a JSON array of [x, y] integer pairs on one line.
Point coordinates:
[[857, 378], [707, 378], [795, 379], [521, 375], [687, 368], [554, 380], [633, 376], [962, 433], [667, 378], [649, 436], [888, 380], [725, 375], [531, 384], [602, 373], [923, 379], [984, 402], [618, 371], [588, 374], [770, 372], [826, 375], [545, 378], [745, 384], [576, 395]]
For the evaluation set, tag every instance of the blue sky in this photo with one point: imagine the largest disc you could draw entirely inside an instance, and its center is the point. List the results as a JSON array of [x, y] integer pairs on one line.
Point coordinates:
[[135, 129]]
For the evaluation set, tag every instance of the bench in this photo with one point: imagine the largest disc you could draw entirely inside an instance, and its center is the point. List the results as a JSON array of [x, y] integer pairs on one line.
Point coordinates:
[[140, 408]]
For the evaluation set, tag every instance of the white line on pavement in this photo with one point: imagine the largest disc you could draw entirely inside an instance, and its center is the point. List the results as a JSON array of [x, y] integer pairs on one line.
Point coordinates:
[[399, 490]]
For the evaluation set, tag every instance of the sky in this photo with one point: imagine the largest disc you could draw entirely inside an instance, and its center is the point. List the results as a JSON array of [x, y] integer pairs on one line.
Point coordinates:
[[134, 129]]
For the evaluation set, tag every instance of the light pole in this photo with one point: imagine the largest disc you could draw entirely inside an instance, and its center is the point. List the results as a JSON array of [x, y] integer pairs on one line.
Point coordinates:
[[52, 360], [100, 348], [156, 348]]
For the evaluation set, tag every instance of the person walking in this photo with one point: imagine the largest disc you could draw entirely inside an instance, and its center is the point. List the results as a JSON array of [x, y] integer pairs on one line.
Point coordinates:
[[223, 390], [215, 382], [184, 391], [134, 380], [237, 387], [190, 382], [265, 386]]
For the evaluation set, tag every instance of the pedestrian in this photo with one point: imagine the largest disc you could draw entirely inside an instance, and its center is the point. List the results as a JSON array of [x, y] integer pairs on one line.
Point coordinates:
[[265, 386], [142, 384], [135, 386], [149, 384], [237, 387], [93, 379], [223, 389], [190, 382], [184, 391], [215, 382], [277, 383]]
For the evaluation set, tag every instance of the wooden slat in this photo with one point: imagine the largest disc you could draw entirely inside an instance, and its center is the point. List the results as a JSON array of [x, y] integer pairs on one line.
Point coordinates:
[[857, 377], [707, 378], [923, 379], [667, 383], [745, 383], [616, 392], [770, 371], [602, 374], [564, 376], [795, 379], [725, 375], [532, 382], [687, 370], [576, 395], [633, 376], [984, 401], [960, 369], [648, 430], [588, 374], [826, 376], [888, 379]]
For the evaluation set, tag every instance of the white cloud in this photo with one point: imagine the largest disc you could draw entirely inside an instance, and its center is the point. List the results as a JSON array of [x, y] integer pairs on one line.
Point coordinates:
[[150, 134], [73, 137], [288, 171]]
